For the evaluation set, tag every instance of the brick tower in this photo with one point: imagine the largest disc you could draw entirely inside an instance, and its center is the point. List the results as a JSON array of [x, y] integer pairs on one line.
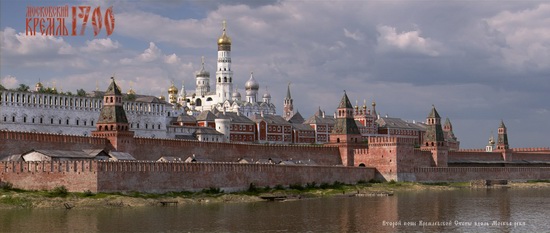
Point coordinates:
[[288, 107], [434, 139], [502, 143], [112, 123], [345, 133]]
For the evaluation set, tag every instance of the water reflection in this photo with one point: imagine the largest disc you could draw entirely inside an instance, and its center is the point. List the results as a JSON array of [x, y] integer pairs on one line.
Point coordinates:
[[462, 208]]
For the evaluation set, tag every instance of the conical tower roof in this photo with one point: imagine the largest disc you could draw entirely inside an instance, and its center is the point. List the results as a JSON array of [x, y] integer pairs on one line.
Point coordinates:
[[502, 124], [113, 89], [345, 103], [433, 113]]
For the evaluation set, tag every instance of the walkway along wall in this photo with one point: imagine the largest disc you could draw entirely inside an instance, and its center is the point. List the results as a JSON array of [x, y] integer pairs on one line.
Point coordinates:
[[158, 177], [153, 149], [12, 142]]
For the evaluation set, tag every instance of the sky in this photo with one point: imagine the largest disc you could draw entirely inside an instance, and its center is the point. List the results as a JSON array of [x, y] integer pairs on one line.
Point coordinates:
[[477, 62]]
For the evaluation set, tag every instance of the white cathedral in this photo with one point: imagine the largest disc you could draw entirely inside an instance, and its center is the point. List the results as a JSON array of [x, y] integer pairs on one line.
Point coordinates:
[[224, 97], [148, 116]]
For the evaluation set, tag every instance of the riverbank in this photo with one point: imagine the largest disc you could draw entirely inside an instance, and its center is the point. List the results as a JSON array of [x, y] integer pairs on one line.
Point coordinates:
[[59, 198]]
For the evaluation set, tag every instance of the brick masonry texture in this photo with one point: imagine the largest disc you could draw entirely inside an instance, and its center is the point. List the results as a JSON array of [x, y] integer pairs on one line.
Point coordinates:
[[158, 177]]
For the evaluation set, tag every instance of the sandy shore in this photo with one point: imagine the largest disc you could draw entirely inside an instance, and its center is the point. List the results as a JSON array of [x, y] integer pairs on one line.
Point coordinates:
[[10, 199]]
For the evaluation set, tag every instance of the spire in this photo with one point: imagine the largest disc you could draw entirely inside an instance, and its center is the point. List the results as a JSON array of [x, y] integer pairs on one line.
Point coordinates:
[[502, 124], [433, 113], [224, 39], [345, 103], [113, 89], [374, 110], [288, 107], [502, 143], [288, 92]]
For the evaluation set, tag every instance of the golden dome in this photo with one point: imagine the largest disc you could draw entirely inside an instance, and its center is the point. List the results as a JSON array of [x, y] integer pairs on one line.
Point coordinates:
[[162, 97], [131, 92], [224, 39], [173, 89]]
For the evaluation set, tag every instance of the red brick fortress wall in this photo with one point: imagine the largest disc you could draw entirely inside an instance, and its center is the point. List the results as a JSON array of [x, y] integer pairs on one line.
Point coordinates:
[[461, 174], [74, 175], [153, 149], [102, 176], [179, 176], [20, 142]]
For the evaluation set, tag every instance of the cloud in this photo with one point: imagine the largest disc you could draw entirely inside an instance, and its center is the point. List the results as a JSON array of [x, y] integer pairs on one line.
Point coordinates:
[[355, 35], [101, 45], [9, 81], [408, 42], [525, 34], [150, 54], [21, 44]]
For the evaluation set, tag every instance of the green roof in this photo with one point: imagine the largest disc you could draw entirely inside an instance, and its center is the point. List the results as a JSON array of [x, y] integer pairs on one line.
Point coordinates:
[[113, 89], [344, 103], [433, 113]]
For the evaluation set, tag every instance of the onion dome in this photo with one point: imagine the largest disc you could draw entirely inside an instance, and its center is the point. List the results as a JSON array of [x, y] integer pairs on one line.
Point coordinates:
[[267, 95], [162, 97], [39, 85], [131, 92], [236, 94], [202, 72], [252, 84], [224, 39], [173, 89]]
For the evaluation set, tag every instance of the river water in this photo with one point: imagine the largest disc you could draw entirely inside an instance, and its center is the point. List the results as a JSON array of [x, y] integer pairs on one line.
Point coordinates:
[[478, 210]]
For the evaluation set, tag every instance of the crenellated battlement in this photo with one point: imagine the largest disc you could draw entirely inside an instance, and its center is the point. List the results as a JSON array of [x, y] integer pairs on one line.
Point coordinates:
[[182, 142], [471, 150], [541, 149], [50, 137], [147, 176], [48, 166], [390, 141]]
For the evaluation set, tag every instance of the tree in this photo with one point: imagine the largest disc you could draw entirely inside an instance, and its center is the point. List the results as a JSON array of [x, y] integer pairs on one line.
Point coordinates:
[[81, 92], [2, 88], [130, 97], [23, 87]]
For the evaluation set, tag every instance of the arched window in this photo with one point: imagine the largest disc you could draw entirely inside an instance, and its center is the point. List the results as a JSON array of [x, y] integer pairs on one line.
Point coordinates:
[[224, 79], [198, 102], [219, 79], [338, 140]]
